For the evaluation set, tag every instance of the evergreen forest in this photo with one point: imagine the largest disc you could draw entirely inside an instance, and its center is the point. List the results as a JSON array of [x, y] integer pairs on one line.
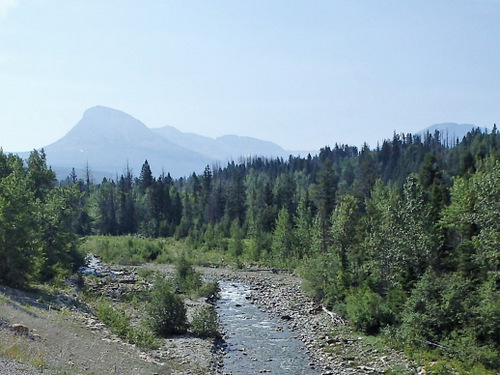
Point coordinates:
[[403, 240]]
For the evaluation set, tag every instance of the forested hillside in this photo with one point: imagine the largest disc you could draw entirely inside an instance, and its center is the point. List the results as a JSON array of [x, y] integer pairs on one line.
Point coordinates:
[[403, 239]]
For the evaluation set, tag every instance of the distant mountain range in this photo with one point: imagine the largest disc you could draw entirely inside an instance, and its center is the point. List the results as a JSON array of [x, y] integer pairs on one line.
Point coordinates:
[[221, 148], [109, 141], [451, 131]]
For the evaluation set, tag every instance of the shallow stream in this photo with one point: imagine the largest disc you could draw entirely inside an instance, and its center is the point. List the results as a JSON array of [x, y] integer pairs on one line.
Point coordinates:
[[256, 342]]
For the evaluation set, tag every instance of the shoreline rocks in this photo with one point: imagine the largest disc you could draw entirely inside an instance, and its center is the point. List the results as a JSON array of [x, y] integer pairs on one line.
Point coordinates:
[[280, 295]]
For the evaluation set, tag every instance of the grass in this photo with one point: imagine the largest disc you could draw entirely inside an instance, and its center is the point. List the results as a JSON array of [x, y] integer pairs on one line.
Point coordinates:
[[15, 349], [134, 251], [65, 342], [117, 320]]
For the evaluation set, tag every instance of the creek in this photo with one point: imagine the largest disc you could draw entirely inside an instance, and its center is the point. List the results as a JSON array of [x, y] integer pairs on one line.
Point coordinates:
[[255, 341]]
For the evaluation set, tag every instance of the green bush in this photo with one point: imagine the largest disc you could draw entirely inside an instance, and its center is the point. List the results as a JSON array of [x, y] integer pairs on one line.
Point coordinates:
[[115, 319], [437, 305], [186, 278], [167, 312], [124, 250], [142, 337], [204, 322], [365, 310], [119, 323], [209, 289], [147, 273]]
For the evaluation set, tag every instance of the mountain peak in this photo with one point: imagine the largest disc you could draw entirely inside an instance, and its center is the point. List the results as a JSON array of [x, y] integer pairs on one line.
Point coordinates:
[[102, 113], [109, 123]]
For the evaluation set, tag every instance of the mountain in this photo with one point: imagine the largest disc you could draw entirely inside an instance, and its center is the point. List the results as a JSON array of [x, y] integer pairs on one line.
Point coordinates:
[[222, 148], [450, 130], [109, 141]]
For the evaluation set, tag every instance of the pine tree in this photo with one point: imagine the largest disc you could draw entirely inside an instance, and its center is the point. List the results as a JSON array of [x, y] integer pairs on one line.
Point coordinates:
[[18, 211], [146, 178], [324, 194], [42, 178]]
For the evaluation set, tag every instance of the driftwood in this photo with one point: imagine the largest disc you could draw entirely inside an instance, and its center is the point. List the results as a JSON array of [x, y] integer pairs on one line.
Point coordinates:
[[436, 344], [336, 318]]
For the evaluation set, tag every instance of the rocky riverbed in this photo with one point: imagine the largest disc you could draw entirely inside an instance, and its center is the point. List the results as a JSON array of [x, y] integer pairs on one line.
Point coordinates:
[[330, 344], [66, 336]]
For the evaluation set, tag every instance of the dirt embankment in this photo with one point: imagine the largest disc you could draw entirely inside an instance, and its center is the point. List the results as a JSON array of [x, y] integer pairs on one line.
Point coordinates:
[[61, 335]]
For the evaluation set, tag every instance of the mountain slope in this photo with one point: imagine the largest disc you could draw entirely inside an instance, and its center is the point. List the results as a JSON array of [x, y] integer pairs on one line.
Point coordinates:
[[450, 130], [108, 140], [222, 148]]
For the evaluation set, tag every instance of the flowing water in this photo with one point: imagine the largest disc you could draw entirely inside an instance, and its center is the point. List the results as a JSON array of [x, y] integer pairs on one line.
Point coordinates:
[[256, 342]]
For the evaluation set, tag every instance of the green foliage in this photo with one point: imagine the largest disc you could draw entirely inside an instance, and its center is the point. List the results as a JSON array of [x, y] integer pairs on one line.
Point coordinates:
[[37, 239], [204, 322], [411, 227], [167, 312], [322, 284], [116, 320], [147, 273], [41, 178], [19, 255], [186, 278], [128, 250], [366, 310], [58, 241], [120, 324], [209, 289], [436, 306], [283, 239], [236, 242], [303, 224]]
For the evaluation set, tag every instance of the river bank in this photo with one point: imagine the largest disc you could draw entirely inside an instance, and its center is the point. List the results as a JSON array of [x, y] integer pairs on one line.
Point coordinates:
[[67, 338], [332, 346]]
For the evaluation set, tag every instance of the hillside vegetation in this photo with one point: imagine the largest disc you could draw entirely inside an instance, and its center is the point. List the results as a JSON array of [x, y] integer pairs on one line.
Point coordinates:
[[403, 240]]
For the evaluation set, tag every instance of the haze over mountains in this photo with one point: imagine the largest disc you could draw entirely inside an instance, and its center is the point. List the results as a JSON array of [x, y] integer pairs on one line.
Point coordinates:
[[450, 131], [109, 141]]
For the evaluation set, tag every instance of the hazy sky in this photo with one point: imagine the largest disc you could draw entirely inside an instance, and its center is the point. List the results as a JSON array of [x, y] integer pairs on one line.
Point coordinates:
[[300, 73]]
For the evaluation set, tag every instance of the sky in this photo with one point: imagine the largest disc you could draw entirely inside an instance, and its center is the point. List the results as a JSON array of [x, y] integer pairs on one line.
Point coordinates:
[[302, 74]]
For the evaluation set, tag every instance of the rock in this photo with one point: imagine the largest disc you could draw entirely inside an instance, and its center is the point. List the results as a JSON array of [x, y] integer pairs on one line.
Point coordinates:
[[20, 329]]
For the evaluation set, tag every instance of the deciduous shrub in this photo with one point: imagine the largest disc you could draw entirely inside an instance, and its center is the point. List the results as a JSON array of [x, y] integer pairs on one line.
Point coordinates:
[[120, 324], [186, 278], [365, 310], [167, 311], [204, 322]]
